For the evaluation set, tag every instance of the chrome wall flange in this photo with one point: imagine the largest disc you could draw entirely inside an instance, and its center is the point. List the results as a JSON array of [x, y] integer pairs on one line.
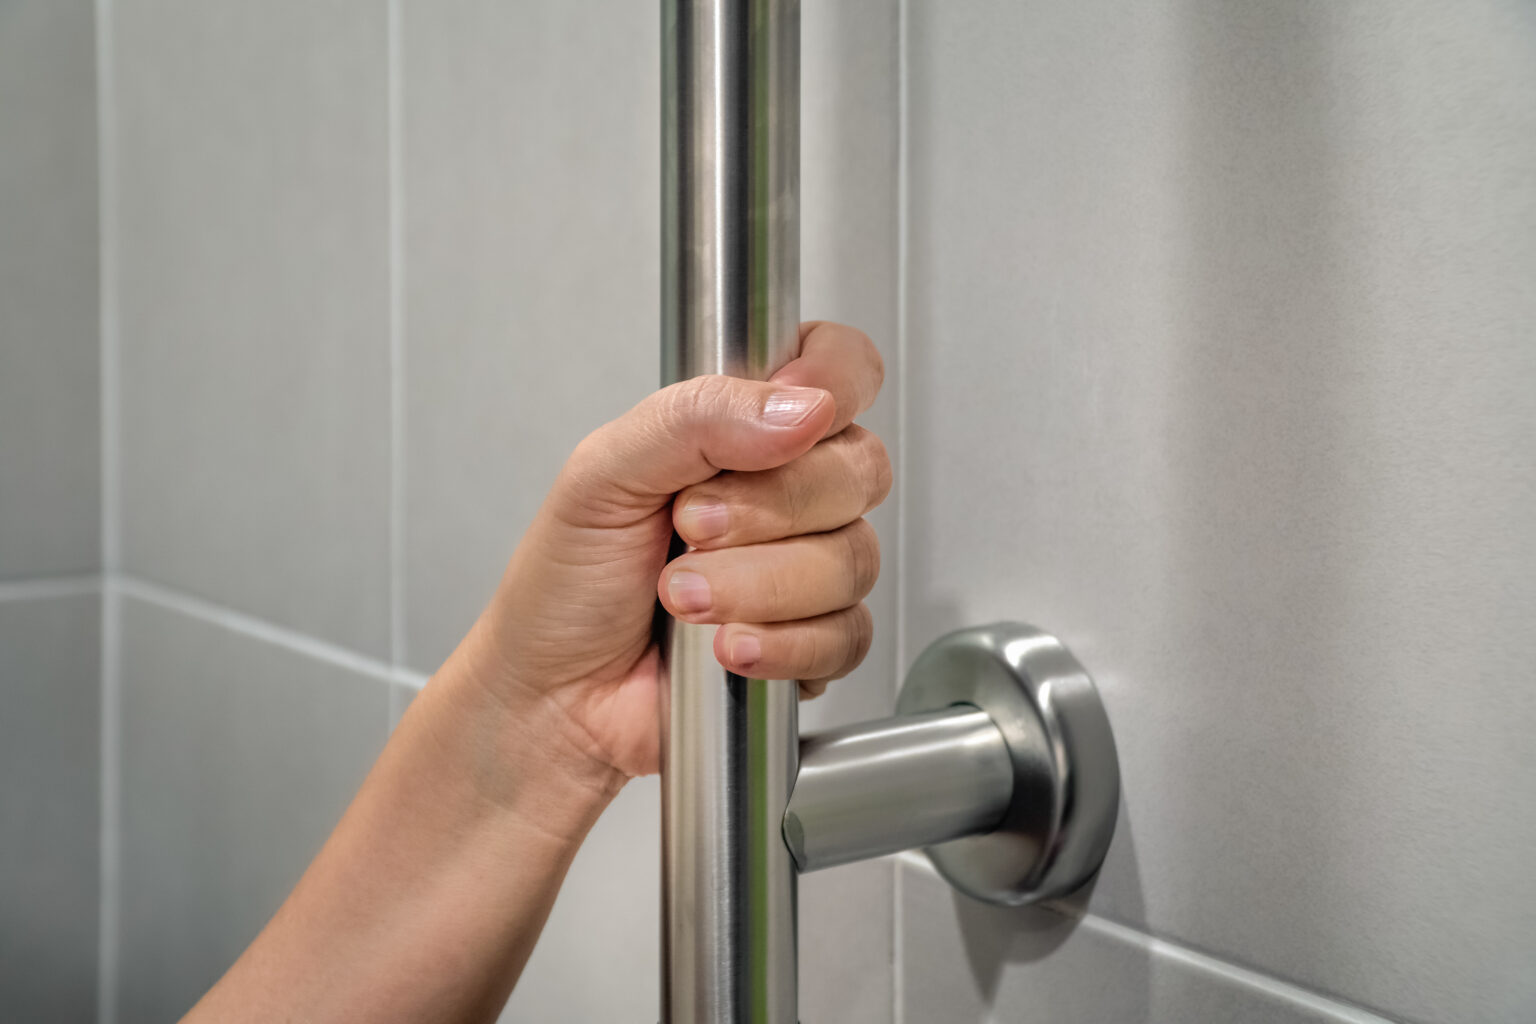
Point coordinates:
[[1066, 775]]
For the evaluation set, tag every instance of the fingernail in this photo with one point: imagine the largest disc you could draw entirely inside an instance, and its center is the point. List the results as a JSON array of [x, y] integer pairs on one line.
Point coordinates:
[[689, 592], [787, 407], [704, 519], [746, 650]]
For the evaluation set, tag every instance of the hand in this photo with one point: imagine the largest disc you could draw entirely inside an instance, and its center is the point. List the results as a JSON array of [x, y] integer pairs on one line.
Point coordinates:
[[428, 897], [771, 481]]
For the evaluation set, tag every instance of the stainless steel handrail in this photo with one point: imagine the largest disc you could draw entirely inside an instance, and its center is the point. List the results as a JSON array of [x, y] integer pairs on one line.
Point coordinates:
[[878, 788], [730, 304]]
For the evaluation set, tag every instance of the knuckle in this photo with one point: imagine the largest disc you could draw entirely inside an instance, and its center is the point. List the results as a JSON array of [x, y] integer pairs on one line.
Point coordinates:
[[780, 590], [877, 468], [787, 497], [862, 553], [863, 635], [810, 652], [876, 362]]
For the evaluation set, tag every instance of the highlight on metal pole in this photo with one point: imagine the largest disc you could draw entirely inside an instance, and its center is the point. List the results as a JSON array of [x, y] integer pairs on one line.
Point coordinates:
[[730, 304]]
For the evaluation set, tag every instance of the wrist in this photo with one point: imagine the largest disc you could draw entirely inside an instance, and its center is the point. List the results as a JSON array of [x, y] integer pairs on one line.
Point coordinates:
[[517, 748]]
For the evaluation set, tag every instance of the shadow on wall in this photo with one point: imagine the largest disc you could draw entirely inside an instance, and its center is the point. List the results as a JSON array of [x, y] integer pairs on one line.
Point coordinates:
[[996, 937]]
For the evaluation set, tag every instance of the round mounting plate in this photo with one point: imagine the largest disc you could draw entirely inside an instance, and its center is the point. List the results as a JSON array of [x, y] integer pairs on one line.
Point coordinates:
[[1066, 776]]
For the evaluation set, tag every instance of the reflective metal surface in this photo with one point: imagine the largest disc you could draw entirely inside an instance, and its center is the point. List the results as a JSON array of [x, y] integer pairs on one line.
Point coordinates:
[[881, 787], [730, 304], [1066, 776]]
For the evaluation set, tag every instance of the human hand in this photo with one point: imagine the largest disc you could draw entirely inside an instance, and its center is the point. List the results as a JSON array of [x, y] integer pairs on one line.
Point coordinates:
[[771, 481]]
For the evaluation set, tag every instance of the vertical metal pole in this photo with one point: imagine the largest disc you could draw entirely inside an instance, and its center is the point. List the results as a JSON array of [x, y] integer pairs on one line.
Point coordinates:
[[730, 304]]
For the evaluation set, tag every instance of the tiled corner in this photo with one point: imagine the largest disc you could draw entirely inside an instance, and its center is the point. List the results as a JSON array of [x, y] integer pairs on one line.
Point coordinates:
[[531, 240], [238, 758], [50, 805], [252, 187], [50, 392], [964, 961]]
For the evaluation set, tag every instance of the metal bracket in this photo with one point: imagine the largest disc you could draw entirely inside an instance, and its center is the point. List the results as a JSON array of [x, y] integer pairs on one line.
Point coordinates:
[[1000, 761]]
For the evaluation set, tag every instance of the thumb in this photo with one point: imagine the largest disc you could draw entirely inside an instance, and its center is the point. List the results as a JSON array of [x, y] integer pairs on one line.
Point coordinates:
[[683, 435]]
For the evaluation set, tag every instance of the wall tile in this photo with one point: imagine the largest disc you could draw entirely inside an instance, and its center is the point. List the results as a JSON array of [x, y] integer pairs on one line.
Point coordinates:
[[50, 470], [1220, 368], [531, 160], [846, 944], [253, 192], [50, 800], [238, 759], [965, 961]]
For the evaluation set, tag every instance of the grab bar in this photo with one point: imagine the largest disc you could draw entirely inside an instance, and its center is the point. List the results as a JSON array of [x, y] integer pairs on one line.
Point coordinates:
[[730, 304], [1000, 760]]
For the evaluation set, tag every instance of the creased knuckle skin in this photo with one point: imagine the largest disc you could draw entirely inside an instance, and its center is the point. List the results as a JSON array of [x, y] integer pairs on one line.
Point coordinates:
[[860, 637], [863, 558], [805, 651], [874, 468]]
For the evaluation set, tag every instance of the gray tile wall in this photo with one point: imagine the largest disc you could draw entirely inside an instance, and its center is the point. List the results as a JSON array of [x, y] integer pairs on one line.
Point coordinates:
[[50, 514], [50, 826], [50, 394], [1216, 349], [253, 222], [1220, 365], [238, 757]]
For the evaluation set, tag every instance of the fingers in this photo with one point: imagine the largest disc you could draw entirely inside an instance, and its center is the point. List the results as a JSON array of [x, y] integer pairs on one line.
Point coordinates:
[[840, 359], [828, 487], [784, 580], [814, 650], [684, 434]]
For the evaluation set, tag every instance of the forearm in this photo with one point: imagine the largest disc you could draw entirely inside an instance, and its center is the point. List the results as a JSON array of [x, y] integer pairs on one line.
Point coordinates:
[[427, 899]]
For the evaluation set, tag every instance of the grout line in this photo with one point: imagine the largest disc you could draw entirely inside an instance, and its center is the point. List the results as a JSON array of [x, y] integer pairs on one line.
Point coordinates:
[[44, 587], [260, 629], [396, 175], [396, 342], [1225, 971], [898, 954], [1228, 972], [110, 371], [111, 804], [898, 950]]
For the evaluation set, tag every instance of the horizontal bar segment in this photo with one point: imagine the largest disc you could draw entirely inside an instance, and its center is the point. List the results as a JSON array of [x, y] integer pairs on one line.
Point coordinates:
[[876, 788]]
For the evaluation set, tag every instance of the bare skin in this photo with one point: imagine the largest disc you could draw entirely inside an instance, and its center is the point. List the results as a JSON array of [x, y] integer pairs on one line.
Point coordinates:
[[426, 901]]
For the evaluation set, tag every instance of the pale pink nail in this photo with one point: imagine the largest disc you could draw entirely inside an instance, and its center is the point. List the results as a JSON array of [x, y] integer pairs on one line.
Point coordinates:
[[689, 592], [787, 407], [704, 519], [746, 649]]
